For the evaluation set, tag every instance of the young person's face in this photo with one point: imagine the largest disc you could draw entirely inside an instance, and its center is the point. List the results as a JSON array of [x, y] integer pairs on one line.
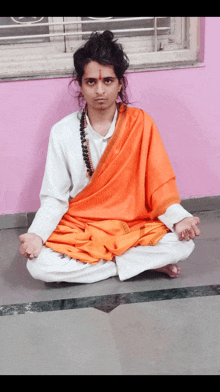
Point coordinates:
[[100, 85]]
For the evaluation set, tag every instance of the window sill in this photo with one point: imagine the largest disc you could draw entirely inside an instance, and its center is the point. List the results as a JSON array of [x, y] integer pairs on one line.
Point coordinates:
[[66, 72], [164, 67]]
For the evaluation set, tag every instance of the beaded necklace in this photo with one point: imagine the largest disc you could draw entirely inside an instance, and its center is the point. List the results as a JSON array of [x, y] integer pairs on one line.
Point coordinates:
[[85, 143]]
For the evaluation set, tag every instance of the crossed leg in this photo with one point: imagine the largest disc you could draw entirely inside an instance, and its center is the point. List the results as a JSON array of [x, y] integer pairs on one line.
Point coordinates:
[[51, 266], [163, 257]]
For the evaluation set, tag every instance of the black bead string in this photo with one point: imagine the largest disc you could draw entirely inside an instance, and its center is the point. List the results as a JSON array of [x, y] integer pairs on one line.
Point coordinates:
[[85, 146], [85, 143]]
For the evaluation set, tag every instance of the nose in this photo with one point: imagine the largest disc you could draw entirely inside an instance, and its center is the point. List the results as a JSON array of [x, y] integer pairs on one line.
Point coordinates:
[[100, 88]]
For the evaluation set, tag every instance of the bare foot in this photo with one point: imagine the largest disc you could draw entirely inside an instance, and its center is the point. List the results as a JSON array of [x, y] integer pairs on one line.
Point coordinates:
[[171, 269]]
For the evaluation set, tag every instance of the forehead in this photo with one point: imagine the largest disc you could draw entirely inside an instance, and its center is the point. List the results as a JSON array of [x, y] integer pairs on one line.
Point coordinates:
[[92, 70]]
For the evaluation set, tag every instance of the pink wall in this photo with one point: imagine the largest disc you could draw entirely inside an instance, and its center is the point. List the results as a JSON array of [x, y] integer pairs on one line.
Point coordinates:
[[185, 103]]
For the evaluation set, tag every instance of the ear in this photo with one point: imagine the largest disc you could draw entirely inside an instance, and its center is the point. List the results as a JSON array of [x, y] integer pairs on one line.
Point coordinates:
[[120, 85]]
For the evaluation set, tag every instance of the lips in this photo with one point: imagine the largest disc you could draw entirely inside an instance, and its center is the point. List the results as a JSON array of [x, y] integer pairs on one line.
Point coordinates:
[[100, 99]]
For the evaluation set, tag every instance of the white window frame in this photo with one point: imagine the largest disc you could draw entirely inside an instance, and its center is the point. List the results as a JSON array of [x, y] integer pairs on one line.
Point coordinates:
[[55, 58]]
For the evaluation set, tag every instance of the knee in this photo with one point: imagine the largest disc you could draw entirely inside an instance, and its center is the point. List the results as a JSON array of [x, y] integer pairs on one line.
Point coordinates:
[[34, 271], [187, 248], [34, 268], [181, 249]]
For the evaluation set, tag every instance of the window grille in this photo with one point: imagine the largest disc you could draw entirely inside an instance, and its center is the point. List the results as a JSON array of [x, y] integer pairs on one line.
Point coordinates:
[[23, 29], [149, 42]]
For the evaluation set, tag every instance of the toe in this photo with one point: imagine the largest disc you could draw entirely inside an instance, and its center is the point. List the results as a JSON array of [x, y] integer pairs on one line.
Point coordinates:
[[173, 271]]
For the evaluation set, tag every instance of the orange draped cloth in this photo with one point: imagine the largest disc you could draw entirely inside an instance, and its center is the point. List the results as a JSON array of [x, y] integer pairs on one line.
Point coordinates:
[[132, 185]]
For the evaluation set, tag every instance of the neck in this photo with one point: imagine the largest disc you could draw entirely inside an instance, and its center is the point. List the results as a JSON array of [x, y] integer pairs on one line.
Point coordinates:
[[101, 119]]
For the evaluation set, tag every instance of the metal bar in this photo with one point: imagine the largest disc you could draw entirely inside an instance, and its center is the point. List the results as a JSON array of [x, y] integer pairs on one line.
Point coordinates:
[[155, 34], [78, 22], [79, 33]]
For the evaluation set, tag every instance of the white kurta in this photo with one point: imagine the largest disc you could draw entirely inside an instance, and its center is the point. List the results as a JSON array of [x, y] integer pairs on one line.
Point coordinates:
[[64, 177]]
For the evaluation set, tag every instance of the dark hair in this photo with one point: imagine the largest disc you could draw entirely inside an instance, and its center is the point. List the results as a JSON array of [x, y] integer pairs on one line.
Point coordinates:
[[102, 48]]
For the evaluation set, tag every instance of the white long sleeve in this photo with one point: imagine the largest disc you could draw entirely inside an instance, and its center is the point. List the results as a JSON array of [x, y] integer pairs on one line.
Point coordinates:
[[174, 214], [54, 193]]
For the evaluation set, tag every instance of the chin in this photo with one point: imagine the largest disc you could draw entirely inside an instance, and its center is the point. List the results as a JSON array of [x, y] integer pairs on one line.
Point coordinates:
[[101, 105]]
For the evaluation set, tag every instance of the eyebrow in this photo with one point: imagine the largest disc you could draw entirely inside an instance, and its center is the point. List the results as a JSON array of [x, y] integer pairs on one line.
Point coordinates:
[[106, 77]]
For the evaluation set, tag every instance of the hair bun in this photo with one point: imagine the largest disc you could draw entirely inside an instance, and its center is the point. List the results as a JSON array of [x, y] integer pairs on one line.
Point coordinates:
[[107, 35]]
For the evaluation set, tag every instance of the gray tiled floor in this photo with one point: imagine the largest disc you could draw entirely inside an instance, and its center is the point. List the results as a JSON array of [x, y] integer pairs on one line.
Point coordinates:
[[178, 336]]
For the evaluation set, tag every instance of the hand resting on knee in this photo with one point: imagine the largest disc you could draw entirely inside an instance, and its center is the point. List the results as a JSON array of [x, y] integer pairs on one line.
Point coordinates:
[[31, 245], [187, 228]]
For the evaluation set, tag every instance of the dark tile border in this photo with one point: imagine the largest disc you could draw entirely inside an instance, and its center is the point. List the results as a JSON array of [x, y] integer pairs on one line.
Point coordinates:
[[107, 303]]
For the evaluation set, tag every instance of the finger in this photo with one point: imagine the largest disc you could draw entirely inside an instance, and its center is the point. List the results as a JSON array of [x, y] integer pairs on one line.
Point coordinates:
[[197, 220], [25, 245], [192, 235], [22, 250], [29, 255], [186, 235], [26, 255], [196, 230], [33, 255], [189, 234], [183, 235], [180, 236], [26, 249], [22, 237], [30, 248]]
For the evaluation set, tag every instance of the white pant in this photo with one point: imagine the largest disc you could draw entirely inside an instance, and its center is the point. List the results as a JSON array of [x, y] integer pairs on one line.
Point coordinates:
[[51, 266]]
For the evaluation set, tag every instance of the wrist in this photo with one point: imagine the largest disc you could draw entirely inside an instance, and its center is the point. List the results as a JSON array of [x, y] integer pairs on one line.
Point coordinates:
[[38, 237]]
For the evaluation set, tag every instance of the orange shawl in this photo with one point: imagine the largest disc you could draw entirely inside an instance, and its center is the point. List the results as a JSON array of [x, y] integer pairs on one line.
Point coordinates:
[[132, 185]]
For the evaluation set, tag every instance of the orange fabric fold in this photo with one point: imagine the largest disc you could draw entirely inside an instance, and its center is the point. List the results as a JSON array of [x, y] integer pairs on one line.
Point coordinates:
[[132, 185]]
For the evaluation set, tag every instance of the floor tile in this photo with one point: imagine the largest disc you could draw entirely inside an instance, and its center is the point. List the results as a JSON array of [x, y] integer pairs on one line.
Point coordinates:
[[77, 342], [178, 337]]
